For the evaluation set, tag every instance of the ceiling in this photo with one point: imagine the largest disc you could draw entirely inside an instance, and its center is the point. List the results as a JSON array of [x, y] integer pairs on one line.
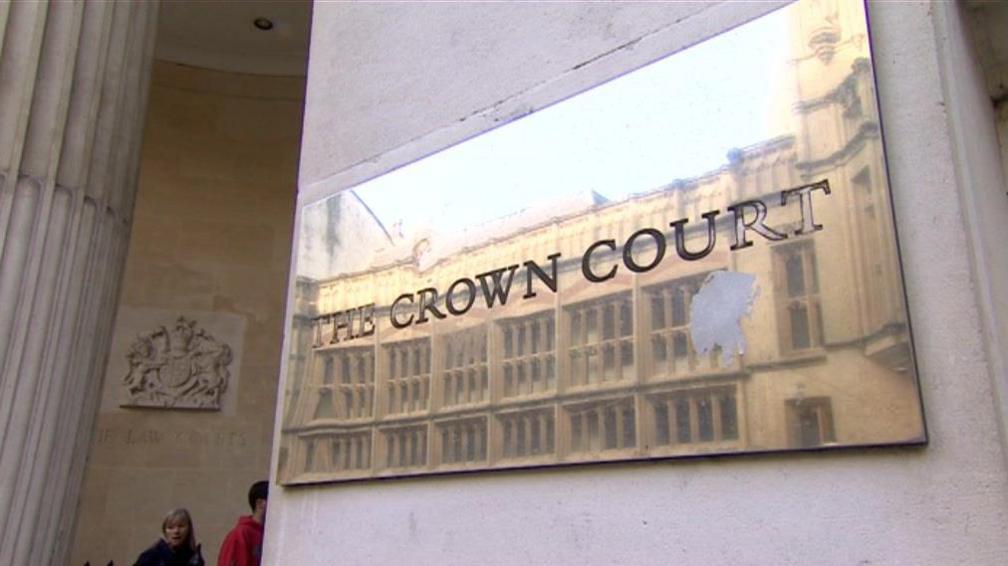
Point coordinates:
[[221, 35]]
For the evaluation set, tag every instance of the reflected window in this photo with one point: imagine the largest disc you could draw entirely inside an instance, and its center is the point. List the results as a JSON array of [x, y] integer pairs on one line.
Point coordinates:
[[405, 447], [668, 312], [343, 452], [696, 416], [601, 338], [527, 433], [799, 308], [875, 286], [465, 378], [603, 425], [407, 376], [347, 388], [811, 422], [463, 442], [324, 405], [310, 447], [528, 364], [328, 372]]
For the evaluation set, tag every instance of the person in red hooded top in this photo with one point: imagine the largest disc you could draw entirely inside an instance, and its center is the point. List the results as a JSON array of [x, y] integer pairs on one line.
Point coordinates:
[[243, 545]]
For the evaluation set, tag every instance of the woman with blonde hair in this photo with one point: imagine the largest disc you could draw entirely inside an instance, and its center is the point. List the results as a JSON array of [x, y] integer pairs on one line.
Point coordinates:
[[177, 546]]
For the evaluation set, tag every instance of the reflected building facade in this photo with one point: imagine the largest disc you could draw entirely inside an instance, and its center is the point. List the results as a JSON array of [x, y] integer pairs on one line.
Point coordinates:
[[609, 371]]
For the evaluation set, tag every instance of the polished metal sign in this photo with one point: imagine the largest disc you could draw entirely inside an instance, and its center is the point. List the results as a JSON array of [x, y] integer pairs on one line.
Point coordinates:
[[695, 258]]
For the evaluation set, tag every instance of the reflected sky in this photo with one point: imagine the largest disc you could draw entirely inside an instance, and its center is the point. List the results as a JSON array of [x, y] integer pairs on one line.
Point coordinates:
[[675, 118]]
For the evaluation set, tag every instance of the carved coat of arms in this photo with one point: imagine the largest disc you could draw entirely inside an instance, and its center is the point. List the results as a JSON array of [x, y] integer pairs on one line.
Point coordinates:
[[178, 367]]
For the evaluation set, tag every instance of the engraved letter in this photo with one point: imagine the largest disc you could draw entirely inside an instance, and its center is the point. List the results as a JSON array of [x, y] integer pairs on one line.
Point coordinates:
[[367, 324], [392, 311], [628, 259], [680, 236], [757, 224], [805, 199], [427, 299], [341, 319], [491, 295], [470, 296], [586, 262], [532, 268]]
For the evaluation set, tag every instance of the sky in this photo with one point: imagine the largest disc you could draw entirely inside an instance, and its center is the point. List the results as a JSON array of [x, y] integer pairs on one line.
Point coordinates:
[[675, 118]]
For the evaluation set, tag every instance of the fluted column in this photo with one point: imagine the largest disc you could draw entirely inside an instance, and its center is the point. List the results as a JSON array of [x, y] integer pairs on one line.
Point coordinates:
[[73, 90]]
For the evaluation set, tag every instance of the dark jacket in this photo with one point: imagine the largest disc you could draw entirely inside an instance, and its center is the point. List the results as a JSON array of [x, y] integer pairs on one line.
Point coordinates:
[[162, 555]]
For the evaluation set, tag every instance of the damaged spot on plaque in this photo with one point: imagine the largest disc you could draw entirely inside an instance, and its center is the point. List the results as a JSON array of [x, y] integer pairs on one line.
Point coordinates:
[[717, 311], [177, 367]]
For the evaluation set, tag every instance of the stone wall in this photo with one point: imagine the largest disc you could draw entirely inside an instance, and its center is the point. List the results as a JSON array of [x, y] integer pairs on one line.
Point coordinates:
[[1002, 125], [211, 242], [414, 79]]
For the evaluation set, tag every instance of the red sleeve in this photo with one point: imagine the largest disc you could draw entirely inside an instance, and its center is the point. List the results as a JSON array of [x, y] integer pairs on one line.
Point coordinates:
[[235, 551]]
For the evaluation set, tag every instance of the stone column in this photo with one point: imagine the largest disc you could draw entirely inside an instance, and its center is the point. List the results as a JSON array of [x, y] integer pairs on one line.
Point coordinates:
[[73, 87]]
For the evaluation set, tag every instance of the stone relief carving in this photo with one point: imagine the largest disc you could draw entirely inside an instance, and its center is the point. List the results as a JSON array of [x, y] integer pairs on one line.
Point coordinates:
[[181, 367], [824, 31]]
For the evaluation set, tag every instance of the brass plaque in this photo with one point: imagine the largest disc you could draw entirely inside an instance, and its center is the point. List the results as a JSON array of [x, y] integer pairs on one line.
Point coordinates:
[[695, 258]]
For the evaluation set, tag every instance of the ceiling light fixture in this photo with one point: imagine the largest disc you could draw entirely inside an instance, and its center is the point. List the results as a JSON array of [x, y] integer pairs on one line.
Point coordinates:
[[264, 24]]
